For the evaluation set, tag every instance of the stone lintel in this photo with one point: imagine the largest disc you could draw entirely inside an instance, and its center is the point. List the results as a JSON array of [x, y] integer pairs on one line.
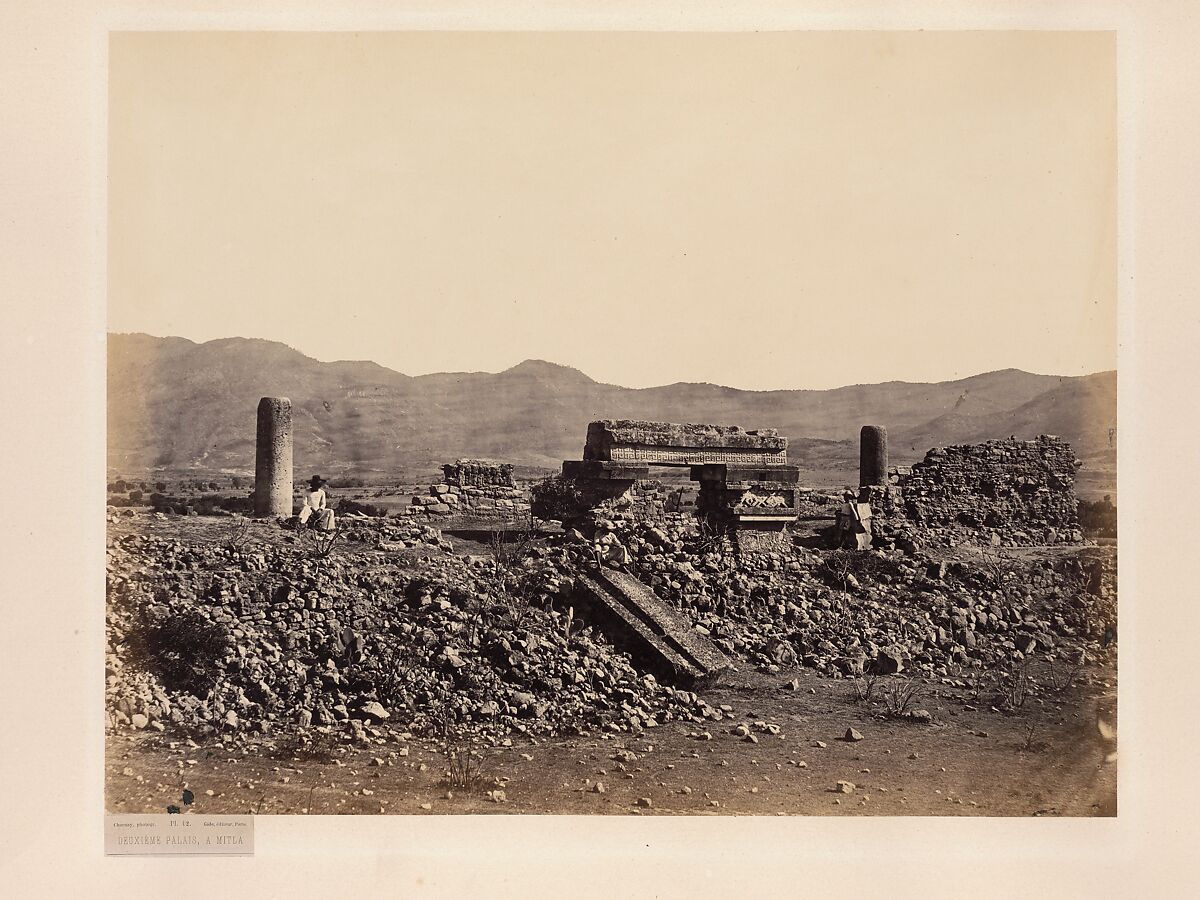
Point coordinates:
[[666, 443], [743, 477], [743, 514]]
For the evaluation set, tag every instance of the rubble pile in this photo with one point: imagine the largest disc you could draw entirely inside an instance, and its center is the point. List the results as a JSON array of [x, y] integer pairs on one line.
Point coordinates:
[[475, 488], [649, 499], [843, 612], [386, 628], [1010, 493], [268, 638], [389, 534]]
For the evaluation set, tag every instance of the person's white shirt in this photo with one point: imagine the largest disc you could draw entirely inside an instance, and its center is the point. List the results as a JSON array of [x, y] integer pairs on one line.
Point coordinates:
[[314, 501]]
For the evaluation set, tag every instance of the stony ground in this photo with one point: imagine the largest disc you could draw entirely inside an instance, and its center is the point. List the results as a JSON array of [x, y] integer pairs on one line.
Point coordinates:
[[248, 673], [1045, 760]]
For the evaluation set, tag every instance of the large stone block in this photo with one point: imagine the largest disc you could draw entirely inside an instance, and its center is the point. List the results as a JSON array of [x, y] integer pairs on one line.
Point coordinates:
[[668, 444], [653, 631], [744, 477]]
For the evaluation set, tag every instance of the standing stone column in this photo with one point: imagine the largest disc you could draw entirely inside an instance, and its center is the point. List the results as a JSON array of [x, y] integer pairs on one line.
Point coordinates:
[[273, 458], [872, 456]]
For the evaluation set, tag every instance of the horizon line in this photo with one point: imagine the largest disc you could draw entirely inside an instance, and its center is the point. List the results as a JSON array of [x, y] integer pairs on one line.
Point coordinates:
[[594, 381]]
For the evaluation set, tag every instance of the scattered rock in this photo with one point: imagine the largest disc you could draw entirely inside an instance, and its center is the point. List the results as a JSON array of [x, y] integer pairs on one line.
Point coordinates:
[[375, 711]]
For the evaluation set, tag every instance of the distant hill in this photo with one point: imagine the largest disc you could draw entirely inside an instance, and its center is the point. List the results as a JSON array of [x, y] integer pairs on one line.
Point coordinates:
[[174, 405]]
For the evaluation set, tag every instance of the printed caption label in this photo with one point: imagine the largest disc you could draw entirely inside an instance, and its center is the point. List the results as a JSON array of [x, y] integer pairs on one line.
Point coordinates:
[[178, 835]]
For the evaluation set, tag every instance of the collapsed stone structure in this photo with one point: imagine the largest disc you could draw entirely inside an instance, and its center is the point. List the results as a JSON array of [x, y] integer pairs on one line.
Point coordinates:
[[273, 458], [653, 499], [474, 487], [273, 646], [747, 488], [479, 473], [1021, 491], [1011, 492]]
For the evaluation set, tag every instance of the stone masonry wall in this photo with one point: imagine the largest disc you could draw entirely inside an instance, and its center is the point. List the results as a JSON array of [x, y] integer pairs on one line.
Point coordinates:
[[479, 473], [474, 489], [650, 499], [1011, 492]]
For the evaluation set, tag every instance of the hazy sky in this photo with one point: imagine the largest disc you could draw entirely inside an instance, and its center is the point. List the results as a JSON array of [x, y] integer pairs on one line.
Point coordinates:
[[760, 210]]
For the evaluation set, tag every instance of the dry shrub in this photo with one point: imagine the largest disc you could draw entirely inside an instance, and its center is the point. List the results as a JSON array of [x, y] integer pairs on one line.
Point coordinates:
[[899, 694], [319, 544], [1016, 686], [238, 534], [185, 650], [465, 756], [308, 746], [864, 688], [557, 498]]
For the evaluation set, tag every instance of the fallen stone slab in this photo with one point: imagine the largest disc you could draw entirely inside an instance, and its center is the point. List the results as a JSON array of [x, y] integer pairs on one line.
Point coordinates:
[[654, 632]]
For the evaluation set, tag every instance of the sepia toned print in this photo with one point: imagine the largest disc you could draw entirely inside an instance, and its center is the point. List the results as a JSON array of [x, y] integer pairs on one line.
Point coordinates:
[[692, 460]]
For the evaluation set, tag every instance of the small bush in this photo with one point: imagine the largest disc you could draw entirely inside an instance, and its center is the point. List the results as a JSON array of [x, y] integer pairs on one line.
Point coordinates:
[[864, 687], [557, 498], [185, 650], [899, 694], [238, 534], [838, 566], [1098, 518], [1017, 685], [465, 757], [319, 544]]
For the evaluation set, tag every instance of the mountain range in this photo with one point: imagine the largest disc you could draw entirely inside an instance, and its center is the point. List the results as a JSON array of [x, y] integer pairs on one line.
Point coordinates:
[[178, 406]]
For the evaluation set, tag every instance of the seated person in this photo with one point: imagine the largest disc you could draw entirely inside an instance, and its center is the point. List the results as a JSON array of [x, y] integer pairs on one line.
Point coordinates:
[[316, 512]]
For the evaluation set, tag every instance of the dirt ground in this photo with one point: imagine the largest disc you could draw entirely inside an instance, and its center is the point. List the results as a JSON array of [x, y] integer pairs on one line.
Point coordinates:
[[1046, 759]]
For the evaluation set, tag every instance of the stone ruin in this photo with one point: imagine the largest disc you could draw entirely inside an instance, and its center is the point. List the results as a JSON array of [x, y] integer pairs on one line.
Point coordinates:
[[273, 458], [475, 488], [1002, 492], [747, 489], [655, 499], [479, 473], [1022, 492]]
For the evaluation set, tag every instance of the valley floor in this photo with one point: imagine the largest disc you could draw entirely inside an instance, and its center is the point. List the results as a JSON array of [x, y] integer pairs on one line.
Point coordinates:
[[1046, 759]]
